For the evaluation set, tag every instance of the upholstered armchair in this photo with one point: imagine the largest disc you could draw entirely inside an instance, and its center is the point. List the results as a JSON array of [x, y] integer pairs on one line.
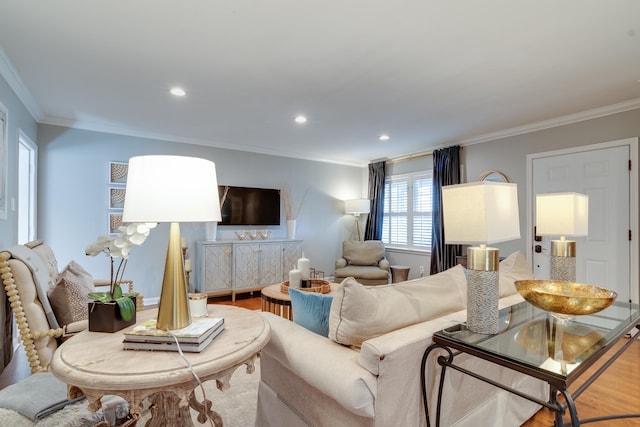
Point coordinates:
[[46, 303], [364, 261]]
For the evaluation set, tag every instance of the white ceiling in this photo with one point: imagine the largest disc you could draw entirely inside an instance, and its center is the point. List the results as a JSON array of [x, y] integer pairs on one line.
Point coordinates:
[[430, 73]]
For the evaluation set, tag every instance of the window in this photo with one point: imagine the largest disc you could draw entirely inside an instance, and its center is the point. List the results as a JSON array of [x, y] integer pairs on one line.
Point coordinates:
[[407, 211], [27, 177]]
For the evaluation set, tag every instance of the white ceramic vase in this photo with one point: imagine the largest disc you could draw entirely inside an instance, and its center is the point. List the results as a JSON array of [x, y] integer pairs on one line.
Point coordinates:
[[291, 228], [212, 230]]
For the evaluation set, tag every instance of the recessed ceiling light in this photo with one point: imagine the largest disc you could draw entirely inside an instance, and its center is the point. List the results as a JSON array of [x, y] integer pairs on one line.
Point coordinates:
[[177, 91], [300, 119], [383, 137]]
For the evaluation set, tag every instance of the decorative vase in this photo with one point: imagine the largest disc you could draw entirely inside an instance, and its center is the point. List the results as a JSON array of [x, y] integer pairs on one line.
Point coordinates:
[[212, 230], [291, 228], [105, 317]]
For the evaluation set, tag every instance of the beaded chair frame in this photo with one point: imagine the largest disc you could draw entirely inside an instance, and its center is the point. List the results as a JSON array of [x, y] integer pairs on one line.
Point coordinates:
[[27, 336]]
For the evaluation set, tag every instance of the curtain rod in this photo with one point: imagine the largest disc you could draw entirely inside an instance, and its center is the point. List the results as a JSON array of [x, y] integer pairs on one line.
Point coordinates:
[[412, 157]]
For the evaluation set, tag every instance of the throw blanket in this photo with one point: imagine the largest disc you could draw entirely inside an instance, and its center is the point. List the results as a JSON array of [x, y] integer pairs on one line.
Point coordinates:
[[40, 277], [36, 396]]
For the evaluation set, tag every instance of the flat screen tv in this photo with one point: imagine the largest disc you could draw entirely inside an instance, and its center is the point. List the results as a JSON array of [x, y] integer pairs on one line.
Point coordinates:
[[250, 206]]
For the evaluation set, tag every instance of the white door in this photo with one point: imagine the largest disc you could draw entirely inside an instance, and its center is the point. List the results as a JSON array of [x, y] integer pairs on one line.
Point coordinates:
[[602, 172]]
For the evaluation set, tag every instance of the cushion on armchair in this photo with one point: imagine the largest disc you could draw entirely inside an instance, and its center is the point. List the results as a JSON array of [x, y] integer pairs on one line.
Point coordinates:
[[368, 252], [69, 299]]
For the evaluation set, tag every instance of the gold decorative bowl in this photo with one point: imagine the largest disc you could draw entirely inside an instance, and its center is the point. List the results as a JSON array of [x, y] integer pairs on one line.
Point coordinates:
[[565, 298]]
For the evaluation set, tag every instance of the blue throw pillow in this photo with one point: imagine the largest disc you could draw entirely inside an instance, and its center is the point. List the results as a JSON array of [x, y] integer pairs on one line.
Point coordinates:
[[311, 310]]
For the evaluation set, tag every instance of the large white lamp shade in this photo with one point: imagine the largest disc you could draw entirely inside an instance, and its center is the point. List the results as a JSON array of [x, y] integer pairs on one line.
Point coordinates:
[[357, 207], [172, 189]]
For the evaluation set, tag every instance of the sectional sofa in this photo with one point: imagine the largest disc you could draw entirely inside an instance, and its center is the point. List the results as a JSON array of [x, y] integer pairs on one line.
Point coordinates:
[[366, 372]]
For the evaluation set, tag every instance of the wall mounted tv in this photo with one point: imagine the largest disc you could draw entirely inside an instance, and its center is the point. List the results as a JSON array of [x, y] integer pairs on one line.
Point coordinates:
[[250, 206]]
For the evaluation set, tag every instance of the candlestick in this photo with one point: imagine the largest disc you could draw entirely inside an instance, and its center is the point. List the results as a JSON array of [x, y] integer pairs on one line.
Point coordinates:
[[303, 266], [295, 278]]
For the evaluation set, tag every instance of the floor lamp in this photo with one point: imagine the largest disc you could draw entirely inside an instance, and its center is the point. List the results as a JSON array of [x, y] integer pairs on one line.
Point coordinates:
[[357, 207], [562, 214], [172, 189], [481, 213]]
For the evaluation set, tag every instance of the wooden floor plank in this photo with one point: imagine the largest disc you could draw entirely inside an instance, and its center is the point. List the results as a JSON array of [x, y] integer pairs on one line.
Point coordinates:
[[617, 391]]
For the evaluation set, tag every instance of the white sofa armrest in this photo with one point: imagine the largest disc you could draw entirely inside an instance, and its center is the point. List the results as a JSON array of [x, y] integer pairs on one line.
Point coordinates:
[[323, 364]]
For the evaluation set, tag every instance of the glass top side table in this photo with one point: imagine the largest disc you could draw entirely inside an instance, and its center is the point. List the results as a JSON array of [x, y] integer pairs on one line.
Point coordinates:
[[533, 342]]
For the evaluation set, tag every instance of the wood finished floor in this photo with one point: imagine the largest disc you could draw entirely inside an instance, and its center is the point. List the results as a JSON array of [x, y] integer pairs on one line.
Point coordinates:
[[617, 391]]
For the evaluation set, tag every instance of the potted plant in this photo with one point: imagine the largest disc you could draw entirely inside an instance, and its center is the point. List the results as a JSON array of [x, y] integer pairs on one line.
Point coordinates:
[[113, 310]]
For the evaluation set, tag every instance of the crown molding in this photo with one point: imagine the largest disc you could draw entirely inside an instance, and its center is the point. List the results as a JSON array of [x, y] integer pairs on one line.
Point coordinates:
[[116, 130], [595, 113], [9, 73]]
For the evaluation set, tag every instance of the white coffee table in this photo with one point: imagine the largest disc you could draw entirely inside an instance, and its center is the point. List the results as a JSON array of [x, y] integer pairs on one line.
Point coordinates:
[[94, 364]]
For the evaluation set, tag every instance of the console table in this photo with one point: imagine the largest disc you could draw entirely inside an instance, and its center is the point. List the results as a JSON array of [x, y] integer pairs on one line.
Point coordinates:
[[535, 343], [231, 267], [94, 364]]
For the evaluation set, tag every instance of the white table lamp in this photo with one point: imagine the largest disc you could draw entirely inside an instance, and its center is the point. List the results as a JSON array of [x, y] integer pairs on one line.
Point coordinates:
[[172, 189], [481, 213], [562, 214], [357, 207]]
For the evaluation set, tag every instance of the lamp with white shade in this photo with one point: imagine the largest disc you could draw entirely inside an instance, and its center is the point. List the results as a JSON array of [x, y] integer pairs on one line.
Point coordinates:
[[481, 213], [357, 207], [562, 214], [172, 189]]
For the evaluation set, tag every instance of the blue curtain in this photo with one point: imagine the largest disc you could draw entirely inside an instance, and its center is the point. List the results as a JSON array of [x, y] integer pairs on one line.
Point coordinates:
[[446, 171], [377, 175]]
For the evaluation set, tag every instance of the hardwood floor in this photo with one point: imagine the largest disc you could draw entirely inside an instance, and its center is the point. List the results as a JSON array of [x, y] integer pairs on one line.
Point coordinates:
[[617, 391]]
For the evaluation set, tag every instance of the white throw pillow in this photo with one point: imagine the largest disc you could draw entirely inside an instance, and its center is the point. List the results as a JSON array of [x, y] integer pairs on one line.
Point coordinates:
[[512, 268], [360, 312]]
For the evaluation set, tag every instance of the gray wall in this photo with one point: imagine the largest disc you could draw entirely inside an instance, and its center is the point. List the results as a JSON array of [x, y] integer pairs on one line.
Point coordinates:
[[509, 155], [73, 202]]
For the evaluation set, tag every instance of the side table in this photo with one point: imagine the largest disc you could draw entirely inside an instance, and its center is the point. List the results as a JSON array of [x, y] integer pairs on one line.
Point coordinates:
[[399, 273], [537, 344], [94, 364]]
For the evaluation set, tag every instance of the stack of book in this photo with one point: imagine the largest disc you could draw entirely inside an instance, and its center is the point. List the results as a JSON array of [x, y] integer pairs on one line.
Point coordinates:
[[192, 339]]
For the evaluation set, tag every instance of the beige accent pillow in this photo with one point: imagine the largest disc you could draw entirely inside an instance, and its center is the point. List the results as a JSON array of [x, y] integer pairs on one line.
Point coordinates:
[[368, 252], [360, 312], [69, 299], [512, 268]]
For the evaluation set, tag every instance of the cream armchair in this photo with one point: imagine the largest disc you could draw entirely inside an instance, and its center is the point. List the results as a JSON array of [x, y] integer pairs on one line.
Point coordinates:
[[364, 261], [29, 273]]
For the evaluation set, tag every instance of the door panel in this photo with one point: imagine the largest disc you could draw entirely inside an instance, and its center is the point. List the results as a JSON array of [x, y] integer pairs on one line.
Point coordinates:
[[602, 256]]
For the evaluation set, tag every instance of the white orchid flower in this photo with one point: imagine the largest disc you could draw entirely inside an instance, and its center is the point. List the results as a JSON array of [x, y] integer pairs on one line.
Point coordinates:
[[100, 245], [120, 246]]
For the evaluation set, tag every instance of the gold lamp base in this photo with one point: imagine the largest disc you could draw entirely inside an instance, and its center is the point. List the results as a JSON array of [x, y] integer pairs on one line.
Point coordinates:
[[173, 310]]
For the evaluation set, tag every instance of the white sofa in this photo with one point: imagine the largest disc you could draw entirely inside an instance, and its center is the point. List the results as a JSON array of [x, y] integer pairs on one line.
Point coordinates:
[[371, 376]]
